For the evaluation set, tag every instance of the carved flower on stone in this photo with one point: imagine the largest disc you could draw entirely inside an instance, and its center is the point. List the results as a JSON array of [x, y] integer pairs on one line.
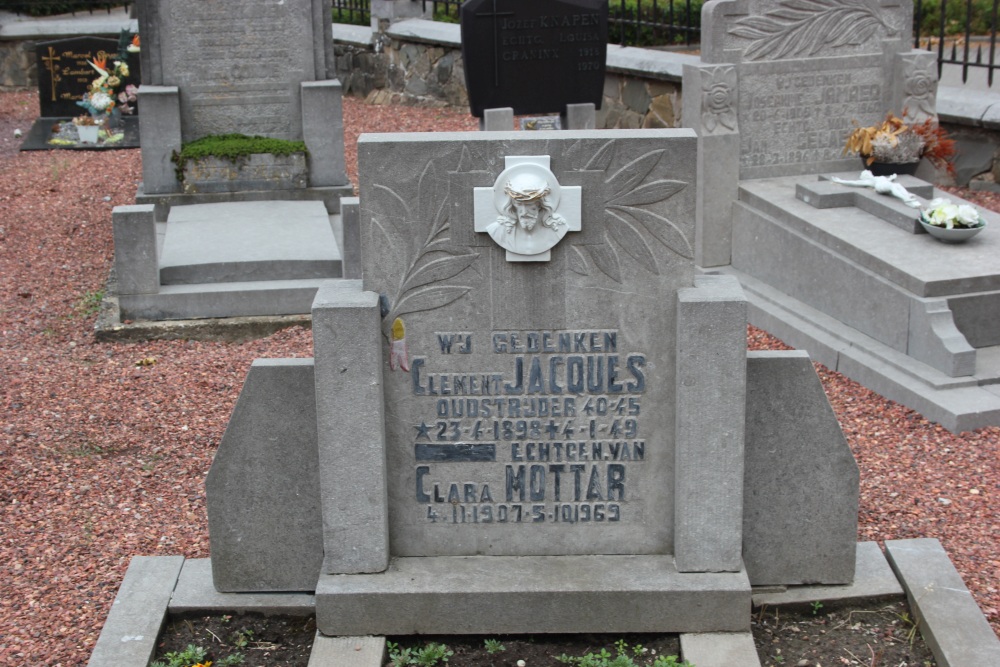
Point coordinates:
[[919, 88], [718, 99]]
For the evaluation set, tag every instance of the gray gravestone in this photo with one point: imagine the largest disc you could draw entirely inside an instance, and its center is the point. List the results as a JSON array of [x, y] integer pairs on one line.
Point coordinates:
[[239, 65], [780, 86], [794, 76], [520, 411], [257, 68], [530, 380]]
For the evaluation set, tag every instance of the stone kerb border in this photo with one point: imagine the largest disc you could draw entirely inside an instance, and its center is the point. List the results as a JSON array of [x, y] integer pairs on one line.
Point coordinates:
[[950, 621]]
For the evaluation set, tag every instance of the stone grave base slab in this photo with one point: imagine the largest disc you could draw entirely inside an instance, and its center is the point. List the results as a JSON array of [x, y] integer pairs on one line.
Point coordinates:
[[37, 138], [900, 312], [248, 241], [536, 594], [238, 259]]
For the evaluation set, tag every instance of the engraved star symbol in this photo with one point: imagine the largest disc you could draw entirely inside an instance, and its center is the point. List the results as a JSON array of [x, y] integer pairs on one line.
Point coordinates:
[[423, 431]]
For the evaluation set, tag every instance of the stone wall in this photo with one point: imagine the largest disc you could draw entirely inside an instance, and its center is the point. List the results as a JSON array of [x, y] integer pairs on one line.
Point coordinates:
[[18, 69], [391, 70]]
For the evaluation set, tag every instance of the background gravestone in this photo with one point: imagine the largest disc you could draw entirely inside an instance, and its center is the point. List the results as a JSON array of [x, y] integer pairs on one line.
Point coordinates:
[[536, 57], [65, 74], [793, 78], [256, 68], [239, 65]]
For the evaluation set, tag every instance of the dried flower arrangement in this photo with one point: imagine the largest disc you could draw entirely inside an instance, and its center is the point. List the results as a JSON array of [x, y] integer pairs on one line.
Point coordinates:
[[895, 142]]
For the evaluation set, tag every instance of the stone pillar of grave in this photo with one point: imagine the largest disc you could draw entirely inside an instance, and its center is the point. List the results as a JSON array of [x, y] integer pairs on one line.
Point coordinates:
[[350, 416], [579, 116], [135, 249], [710, 423], [497, 120], [710, 108], [323, 132], [160, 125]]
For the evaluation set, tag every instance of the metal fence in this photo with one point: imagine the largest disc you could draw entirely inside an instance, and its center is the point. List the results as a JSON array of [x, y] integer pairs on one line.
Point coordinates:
[[356, 12], [962, 32], [632, 22]]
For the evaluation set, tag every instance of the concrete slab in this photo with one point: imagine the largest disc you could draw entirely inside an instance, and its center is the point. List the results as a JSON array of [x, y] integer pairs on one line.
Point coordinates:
[[540, 594], [249, 299], [248, 241], [138, 613], [195, 593], [347, 651], [949, 619], [719, 649], [872, 578]]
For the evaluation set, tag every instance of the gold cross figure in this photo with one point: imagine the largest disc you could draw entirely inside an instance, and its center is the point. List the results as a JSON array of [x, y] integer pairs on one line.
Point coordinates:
[[50, 65]]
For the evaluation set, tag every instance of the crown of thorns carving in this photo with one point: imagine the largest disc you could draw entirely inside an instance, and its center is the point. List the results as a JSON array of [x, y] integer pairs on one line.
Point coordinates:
[[526, 195]]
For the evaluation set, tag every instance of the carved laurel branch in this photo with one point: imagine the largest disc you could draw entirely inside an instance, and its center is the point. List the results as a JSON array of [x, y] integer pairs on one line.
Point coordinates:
[[629, 226], [805, 27], [435, 261]]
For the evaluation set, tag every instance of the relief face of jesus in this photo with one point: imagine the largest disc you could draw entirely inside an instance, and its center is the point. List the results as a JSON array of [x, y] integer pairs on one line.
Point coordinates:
[[528, 224]]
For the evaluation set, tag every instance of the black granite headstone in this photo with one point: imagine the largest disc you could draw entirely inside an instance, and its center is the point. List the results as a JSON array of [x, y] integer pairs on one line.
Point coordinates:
[[64, 72], [536, 56]]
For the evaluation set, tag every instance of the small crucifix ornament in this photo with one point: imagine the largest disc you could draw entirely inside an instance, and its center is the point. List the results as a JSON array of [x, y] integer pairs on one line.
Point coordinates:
[[527, 212]]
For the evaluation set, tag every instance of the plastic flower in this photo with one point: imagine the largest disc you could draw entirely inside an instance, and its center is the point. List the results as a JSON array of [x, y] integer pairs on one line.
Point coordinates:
[[941, 212], [968, 216], [101, 101]]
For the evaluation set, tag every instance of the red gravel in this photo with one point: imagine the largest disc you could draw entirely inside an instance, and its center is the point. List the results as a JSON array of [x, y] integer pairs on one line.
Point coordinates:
[[102, 459]]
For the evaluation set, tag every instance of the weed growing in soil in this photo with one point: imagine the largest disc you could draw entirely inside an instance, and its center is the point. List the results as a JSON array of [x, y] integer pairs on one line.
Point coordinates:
[[624, 658], [194, 656], [428, 655], [493, 646], [90, 303]]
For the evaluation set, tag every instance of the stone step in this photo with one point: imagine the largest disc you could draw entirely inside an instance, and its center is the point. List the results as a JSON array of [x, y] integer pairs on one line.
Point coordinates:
[[244, 299], [548, 594]]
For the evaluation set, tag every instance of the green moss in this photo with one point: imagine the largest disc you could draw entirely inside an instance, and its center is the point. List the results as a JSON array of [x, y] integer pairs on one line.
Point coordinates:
[[232, 147]]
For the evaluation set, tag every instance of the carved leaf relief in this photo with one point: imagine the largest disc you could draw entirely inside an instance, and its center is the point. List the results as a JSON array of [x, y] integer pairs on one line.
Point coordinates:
[[631, 241], [606, 259], [805, 27], [434, 261], [577, 262], [631, 227]]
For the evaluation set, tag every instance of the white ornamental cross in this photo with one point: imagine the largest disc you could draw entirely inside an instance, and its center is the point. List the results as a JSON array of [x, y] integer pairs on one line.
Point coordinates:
[[526, 211]]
